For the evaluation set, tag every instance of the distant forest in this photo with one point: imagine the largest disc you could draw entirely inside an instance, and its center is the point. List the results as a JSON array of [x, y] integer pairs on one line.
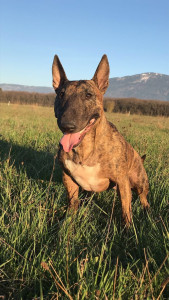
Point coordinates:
[[137, 106], [122, 105]]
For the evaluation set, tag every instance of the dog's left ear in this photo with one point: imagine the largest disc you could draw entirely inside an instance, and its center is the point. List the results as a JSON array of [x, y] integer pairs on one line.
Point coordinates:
[[101, 76], [58, 73]]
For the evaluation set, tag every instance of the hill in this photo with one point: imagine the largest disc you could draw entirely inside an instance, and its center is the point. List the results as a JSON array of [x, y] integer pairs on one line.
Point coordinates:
[[26, 88], [143, 86]]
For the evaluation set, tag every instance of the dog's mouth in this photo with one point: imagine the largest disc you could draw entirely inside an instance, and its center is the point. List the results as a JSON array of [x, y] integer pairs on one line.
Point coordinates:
[[71, 140]]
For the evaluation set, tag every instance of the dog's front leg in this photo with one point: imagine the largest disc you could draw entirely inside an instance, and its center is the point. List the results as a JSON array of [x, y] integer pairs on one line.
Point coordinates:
[[126, 196], [72, 190]]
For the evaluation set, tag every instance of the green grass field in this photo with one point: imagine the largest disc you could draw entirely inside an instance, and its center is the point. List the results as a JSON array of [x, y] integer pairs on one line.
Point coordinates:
[[45, 253]]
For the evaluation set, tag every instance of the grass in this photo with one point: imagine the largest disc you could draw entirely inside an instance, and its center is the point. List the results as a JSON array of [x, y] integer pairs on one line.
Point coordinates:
[[46, 253]]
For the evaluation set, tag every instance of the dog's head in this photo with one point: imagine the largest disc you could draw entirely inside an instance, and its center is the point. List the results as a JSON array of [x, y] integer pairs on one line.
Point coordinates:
[[78, 104]]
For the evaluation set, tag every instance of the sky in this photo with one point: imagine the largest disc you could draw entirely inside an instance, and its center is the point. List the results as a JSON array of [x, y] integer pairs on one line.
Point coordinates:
[[133, 33]]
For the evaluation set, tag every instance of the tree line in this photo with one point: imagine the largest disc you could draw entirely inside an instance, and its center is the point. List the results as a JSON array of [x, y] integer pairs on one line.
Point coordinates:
[[27, 98], [121, 105], [137, 106]]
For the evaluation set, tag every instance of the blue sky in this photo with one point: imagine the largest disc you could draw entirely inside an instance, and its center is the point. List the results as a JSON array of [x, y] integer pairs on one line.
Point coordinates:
[[133, 33]]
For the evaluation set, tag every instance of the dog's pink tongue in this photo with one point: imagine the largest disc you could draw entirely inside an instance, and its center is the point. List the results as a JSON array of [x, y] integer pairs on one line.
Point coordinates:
[[69, 140]]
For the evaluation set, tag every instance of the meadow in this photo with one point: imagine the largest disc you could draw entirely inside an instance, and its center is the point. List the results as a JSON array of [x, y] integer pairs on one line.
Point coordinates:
[[46, 253]]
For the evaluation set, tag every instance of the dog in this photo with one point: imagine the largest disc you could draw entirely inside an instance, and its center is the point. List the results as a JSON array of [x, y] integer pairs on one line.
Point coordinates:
[[92, 152]]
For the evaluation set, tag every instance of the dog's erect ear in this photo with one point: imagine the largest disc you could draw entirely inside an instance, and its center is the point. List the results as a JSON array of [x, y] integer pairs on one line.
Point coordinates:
[[101, 76], [58, 73]]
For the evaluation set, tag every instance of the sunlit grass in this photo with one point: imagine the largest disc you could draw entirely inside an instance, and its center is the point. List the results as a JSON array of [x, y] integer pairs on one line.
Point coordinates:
[[50, 254]]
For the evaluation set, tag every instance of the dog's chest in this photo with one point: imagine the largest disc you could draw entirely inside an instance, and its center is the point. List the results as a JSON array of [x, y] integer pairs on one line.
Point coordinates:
[[88, 177]]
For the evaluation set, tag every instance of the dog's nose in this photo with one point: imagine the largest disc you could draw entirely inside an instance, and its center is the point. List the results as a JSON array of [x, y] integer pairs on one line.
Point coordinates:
[[68, 127]]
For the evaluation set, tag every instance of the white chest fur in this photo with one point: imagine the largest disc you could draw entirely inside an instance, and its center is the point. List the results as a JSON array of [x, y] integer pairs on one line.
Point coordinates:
[[89, 178]]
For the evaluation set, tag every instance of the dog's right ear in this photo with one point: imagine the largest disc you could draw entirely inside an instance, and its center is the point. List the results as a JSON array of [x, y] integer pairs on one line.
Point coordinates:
[[101, 76], [58, 73]]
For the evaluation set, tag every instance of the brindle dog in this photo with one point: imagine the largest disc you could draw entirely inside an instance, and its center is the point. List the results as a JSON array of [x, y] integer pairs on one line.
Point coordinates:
[[92, 151]]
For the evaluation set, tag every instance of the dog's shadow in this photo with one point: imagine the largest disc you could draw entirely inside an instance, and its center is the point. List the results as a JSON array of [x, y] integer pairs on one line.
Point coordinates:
[[37, 164]]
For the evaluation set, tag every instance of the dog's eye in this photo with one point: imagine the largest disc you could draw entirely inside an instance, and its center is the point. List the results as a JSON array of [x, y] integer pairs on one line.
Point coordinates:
[[88, 95]]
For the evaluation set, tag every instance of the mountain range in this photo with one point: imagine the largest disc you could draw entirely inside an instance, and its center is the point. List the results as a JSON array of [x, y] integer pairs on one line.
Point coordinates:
[[142, 86]]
